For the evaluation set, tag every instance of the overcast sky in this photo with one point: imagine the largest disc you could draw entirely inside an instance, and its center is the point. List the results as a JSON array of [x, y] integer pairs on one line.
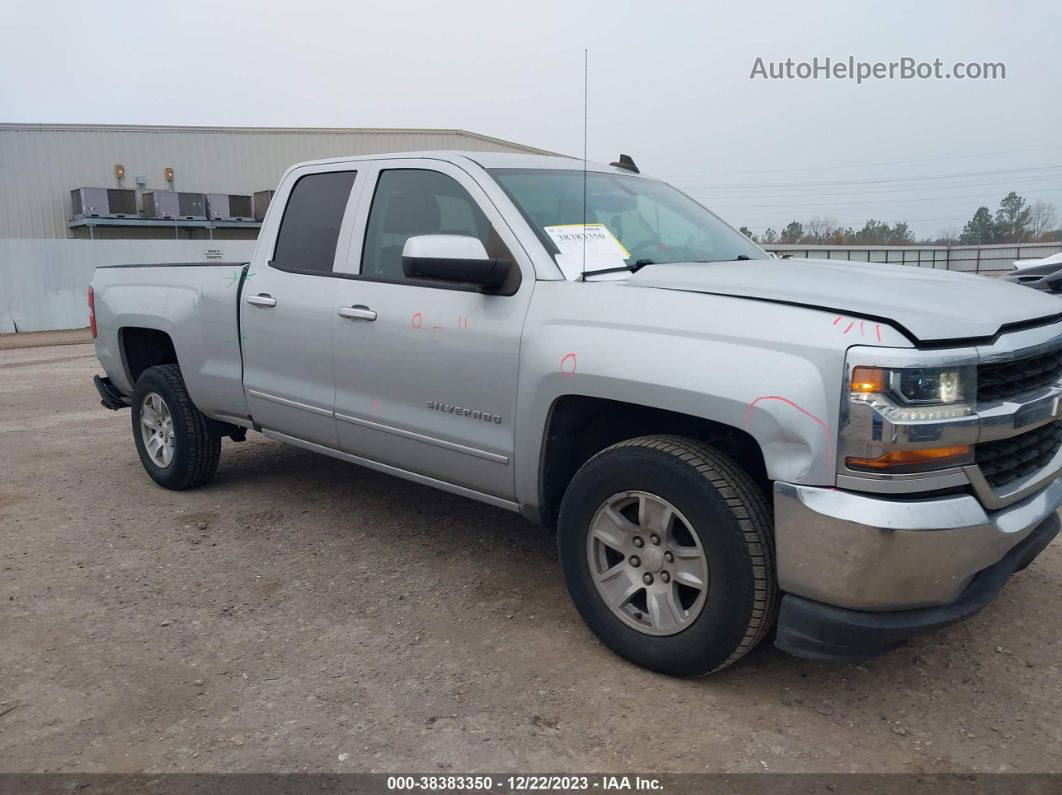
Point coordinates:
[[669, 84]]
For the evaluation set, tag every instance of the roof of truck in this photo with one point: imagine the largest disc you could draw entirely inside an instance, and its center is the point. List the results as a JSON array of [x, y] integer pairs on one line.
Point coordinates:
[[516, 160], [484, 159]]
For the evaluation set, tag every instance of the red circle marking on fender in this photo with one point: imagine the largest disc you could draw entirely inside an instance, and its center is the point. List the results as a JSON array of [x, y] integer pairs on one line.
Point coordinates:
[[568, 364], [418, 318]]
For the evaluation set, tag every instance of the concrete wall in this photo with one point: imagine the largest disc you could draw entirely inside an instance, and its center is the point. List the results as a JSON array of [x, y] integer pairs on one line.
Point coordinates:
[[43, 283]]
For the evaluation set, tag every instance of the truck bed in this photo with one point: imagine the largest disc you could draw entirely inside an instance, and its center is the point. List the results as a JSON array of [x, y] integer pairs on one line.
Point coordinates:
[[196, 304]]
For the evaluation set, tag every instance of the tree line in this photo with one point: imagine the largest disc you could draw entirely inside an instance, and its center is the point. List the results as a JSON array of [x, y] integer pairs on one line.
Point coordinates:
[[1016, 221]]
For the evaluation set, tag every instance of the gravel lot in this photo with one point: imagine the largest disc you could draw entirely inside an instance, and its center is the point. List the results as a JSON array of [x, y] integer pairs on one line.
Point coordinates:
[[301, 614]]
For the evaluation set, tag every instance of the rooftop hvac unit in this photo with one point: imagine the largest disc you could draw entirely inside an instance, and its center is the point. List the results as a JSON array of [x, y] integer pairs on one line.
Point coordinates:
[[191, 206], [170, 204], [229, 207], [261, 202], [103, 202], [161, 204]]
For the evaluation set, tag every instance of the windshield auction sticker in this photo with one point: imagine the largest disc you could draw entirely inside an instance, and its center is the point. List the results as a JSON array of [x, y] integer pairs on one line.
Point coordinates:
[[602, 249]]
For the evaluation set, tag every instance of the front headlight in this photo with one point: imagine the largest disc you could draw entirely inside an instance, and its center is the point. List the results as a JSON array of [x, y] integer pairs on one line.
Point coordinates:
[[917, 393], [913, 395]]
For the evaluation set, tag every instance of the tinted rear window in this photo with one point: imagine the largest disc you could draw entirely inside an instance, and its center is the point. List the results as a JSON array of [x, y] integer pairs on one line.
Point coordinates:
[[312, 218]]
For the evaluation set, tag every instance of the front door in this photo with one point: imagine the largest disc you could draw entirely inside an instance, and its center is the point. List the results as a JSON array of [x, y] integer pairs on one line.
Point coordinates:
[[286, 308], [426, 375]]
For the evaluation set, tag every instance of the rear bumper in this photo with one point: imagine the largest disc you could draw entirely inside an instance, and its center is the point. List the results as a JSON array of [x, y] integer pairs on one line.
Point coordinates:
[[110, 397], [818, 631]]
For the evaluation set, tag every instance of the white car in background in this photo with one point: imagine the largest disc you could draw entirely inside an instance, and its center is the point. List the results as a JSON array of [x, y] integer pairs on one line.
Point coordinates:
[[1040, 274], [1054, 259]]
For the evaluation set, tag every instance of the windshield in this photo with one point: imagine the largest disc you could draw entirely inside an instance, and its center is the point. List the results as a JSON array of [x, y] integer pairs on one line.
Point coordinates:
[[630, 221]]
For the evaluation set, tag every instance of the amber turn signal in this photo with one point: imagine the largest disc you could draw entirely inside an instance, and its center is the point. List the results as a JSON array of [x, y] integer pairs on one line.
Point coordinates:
[[913, 459], [868, 380]]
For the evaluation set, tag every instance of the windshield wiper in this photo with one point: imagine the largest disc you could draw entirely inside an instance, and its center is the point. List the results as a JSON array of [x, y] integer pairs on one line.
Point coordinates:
[[637, 266], [738, 258]]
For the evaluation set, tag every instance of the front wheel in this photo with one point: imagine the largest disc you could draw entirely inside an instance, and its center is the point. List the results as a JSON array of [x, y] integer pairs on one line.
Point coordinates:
[[667, 553], [171, 434]]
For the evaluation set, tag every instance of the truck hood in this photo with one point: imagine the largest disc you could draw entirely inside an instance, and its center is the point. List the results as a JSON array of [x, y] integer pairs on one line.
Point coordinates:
[[929, 305]]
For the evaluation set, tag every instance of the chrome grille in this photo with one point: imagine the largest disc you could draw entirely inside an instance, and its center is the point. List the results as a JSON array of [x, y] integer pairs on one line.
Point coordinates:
[[1006, 460], [1003, 380]]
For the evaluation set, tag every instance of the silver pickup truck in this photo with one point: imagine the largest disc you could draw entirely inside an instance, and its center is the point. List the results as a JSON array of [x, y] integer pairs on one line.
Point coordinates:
[[729, 445]]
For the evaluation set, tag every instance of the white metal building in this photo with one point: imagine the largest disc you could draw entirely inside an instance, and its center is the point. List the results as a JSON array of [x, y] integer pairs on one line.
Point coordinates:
[[46, 254], [42, 163]]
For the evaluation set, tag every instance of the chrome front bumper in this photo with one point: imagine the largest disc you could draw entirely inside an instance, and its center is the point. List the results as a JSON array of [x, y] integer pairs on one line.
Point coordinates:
[[874, 553]]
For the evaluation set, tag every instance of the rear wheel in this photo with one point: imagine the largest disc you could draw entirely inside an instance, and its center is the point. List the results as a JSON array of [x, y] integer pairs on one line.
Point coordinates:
[[667, 552], [171, 434]]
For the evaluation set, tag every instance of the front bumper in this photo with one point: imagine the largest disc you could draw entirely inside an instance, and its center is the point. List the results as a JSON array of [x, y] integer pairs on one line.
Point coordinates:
[[817, 631], [869, 552]]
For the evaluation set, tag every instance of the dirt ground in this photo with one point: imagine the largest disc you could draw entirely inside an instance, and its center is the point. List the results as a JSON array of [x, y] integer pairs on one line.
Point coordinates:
[[301, 614], [40, 339]]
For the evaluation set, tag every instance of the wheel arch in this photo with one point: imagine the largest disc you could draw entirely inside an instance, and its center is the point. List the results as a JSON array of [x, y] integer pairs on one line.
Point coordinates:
[[580, 426], [142, 347]]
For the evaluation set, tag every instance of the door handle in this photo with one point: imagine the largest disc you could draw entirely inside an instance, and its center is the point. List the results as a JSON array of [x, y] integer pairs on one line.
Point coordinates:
[[357, 312], [262, 299]]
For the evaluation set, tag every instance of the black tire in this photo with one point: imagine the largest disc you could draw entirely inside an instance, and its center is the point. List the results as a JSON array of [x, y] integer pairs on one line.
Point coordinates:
[[729, 515], [196, 452]]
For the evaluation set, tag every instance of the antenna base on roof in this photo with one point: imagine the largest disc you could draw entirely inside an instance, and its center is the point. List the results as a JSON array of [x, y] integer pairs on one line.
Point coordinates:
[[626, 162]]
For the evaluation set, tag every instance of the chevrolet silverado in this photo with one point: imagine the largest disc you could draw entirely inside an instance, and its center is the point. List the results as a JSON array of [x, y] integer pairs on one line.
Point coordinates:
[[731, 446]]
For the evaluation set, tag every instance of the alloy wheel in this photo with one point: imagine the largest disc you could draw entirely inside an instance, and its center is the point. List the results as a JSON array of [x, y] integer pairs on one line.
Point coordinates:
[[647, 563]]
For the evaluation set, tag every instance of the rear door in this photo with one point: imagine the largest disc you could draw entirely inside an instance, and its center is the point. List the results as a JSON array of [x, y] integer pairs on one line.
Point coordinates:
[[426, 374], [286, 305]]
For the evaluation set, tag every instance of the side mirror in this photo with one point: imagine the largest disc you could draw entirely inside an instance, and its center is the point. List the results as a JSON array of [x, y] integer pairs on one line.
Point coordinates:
[[453, 258]]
